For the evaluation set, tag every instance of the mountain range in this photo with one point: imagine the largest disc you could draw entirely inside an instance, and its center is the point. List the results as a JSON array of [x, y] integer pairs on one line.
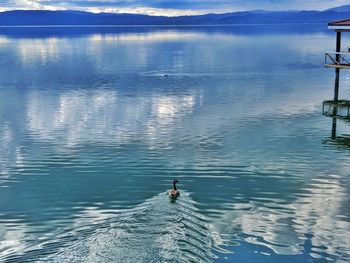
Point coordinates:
[[43, 17]]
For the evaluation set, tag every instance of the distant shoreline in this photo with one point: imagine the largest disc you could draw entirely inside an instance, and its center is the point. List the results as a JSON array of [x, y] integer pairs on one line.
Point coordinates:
[[32, 18], [189, 25]]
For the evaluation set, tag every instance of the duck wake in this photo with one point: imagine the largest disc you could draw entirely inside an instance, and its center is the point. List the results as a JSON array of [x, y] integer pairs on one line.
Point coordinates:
[[157, 230]]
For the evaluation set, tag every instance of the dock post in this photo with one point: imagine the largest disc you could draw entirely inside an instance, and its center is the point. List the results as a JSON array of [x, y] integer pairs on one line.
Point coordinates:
[[337, 70], [334, 128]]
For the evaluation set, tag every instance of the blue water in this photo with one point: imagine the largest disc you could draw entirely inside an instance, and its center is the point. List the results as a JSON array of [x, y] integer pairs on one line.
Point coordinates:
[[95, 123]]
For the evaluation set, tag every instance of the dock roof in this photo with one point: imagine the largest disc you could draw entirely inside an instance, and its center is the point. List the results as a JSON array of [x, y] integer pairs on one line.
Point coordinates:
[[340, 25]]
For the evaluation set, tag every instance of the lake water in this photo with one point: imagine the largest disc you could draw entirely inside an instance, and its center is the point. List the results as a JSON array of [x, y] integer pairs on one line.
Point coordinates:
[[95, 123]]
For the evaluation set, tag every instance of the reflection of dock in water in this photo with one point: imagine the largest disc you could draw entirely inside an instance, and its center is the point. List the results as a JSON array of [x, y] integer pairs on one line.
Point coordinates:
[[341, 141], [339, 108], [338, 60]]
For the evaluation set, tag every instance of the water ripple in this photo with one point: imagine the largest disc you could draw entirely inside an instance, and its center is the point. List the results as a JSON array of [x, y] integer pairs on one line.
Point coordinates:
[[172, 230]]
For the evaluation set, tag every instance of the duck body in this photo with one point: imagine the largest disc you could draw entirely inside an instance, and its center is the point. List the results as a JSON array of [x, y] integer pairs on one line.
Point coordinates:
[[174, 193]]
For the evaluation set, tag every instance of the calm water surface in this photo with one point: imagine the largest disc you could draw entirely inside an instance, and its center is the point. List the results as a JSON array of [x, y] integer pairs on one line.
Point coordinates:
[[96, 123]]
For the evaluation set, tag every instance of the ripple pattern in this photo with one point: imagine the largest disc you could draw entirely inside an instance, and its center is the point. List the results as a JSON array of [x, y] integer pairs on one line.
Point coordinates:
[[95, 126], [158, 230]]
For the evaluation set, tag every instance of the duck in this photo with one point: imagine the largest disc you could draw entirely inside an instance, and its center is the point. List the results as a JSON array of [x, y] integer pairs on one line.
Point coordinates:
[[174, 193]]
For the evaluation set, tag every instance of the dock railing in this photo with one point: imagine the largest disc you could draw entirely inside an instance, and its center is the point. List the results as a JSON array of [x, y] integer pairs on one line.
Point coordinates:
[[337, 59]]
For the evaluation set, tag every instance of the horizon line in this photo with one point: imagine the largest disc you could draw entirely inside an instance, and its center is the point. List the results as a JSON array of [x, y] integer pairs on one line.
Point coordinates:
[[162, 15]]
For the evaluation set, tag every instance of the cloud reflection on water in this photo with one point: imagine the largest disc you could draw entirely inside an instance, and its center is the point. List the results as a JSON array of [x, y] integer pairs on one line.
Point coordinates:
[[101, 116], [233, 122], [281, 226], [104, 117]]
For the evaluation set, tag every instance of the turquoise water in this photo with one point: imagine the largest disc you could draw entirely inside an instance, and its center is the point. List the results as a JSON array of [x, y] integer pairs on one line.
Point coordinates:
[[96, 123]]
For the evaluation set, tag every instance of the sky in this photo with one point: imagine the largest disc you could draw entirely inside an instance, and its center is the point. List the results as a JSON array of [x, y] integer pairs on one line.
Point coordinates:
[[169, 7]]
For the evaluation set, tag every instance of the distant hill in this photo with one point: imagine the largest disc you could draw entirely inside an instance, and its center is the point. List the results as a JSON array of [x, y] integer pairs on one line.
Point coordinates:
[[343, 8], [41, 17]]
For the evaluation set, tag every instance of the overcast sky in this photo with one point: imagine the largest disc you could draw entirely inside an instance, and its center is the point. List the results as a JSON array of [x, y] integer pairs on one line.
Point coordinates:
[[170, 7]]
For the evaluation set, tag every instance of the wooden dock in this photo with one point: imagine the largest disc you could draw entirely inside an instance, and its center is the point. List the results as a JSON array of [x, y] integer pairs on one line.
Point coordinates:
[[337, 60]]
